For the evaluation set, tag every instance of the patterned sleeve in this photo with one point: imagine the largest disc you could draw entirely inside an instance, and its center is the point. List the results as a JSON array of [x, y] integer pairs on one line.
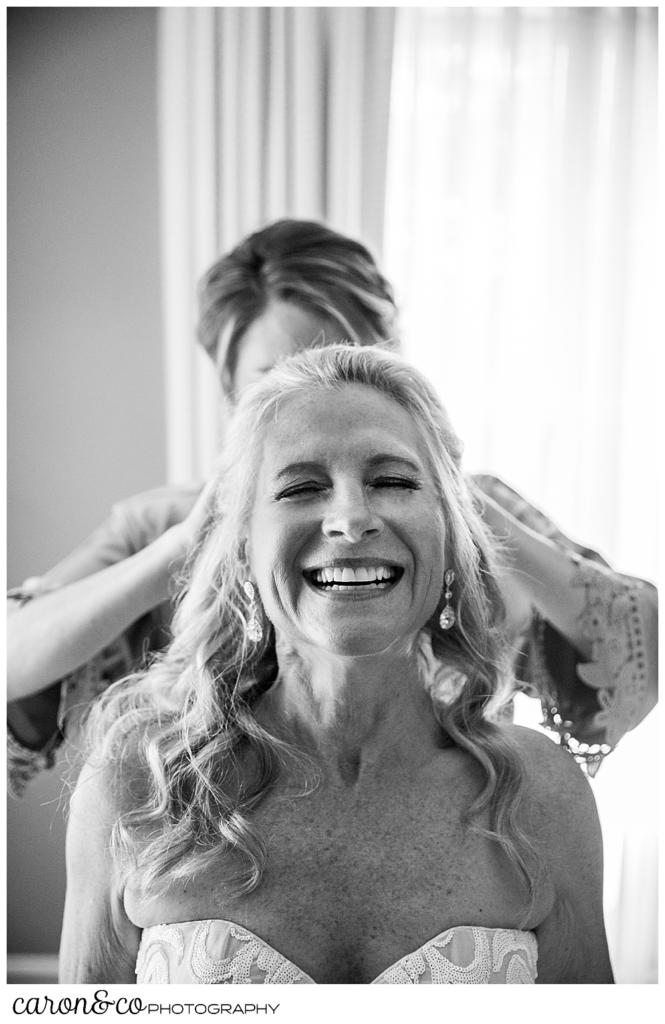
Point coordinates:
[[133, 524], [590, 705], [23, 763], [76, 692]]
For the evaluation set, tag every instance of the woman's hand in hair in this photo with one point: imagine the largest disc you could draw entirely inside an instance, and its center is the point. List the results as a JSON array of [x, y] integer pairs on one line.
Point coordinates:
[[187, 533]]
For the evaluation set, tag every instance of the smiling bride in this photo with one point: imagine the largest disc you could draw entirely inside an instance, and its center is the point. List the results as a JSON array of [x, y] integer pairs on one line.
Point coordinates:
[[316, 783]]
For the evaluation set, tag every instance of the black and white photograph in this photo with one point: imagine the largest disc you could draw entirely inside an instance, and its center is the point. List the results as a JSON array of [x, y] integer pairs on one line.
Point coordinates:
[[332, 502]]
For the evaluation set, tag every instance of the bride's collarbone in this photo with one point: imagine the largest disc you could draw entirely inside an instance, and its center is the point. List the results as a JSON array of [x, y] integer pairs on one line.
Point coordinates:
[[390, 809]]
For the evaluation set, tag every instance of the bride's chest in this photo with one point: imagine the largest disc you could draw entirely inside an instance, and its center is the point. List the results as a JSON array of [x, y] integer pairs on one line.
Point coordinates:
[[350, 886]]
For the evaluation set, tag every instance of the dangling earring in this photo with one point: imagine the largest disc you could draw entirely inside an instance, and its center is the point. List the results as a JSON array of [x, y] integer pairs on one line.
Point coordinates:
[[254, 627], [447, 617]]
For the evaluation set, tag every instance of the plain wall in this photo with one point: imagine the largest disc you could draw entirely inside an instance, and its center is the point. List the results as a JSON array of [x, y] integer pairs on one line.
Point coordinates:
[[85, 371]]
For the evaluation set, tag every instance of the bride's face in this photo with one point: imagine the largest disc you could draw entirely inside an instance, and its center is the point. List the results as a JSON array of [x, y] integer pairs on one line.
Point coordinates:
[[347, 534]]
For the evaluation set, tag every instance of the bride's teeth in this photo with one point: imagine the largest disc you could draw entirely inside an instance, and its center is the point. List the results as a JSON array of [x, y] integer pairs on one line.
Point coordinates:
[[345, 575]]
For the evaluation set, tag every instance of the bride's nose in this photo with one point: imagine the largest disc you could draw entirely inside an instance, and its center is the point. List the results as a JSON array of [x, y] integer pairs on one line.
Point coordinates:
[[350, 516]]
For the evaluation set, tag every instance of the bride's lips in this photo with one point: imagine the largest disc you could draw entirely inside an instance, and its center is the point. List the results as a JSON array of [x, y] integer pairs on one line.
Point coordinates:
[[354, 576]]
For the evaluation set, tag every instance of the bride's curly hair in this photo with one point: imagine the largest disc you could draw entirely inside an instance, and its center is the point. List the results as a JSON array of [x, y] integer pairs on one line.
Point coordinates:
[[186, 725]]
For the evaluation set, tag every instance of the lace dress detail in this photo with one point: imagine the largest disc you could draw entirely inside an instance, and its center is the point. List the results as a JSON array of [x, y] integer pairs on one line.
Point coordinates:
[[152, 963], [244, 959], [217, 952], [468, 956]]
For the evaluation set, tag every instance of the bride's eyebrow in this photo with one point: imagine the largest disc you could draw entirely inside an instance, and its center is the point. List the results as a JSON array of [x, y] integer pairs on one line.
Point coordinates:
[[394, 459], [380, 459], [298, 467]]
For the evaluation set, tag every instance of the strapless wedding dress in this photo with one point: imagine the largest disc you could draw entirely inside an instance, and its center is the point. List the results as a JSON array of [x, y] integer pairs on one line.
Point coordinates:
[[219, 952]]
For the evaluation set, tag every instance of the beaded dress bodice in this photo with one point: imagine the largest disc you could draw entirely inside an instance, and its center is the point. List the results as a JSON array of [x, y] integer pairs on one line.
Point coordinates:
[[217, 952]]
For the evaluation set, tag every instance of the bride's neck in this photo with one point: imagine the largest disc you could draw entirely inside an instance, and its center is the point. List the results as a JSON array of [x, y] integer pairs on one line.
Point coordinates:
[[352, 710]]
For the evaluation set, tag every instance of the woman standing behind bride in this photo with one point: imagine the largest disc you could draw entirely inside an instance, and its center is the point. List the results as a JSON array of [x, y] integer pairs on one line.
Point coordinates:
[[313, 784]]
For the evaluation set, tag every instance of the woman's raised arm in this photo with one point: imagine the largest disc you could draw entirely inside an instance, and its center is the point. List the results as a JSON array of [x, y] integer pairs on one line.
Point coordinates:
[[51, 636], [594, 656]]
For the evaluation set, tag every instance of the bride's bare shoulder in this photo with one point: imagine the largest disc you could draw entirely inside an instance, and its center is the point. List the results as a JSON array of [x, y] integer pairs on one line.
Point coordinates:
[[105, 789], [547, 764], [558, 792]]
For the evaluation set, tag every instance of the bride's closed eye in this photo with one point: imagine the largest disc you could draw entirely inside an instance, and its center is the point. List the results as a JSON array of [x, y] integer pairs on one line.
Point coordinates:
[[398, 482], [303, 489]]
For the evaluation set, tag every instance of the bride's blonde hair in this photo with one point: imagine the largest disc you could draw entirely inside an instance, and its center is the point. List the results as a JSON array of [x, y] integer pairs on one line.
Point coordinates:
[[187, 721]]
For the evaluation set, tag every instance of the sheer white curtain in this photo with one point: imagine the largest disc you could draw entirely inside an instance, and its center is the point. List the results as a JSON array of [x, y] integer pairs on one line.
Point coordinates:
[[520, 226], [265, 112]]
